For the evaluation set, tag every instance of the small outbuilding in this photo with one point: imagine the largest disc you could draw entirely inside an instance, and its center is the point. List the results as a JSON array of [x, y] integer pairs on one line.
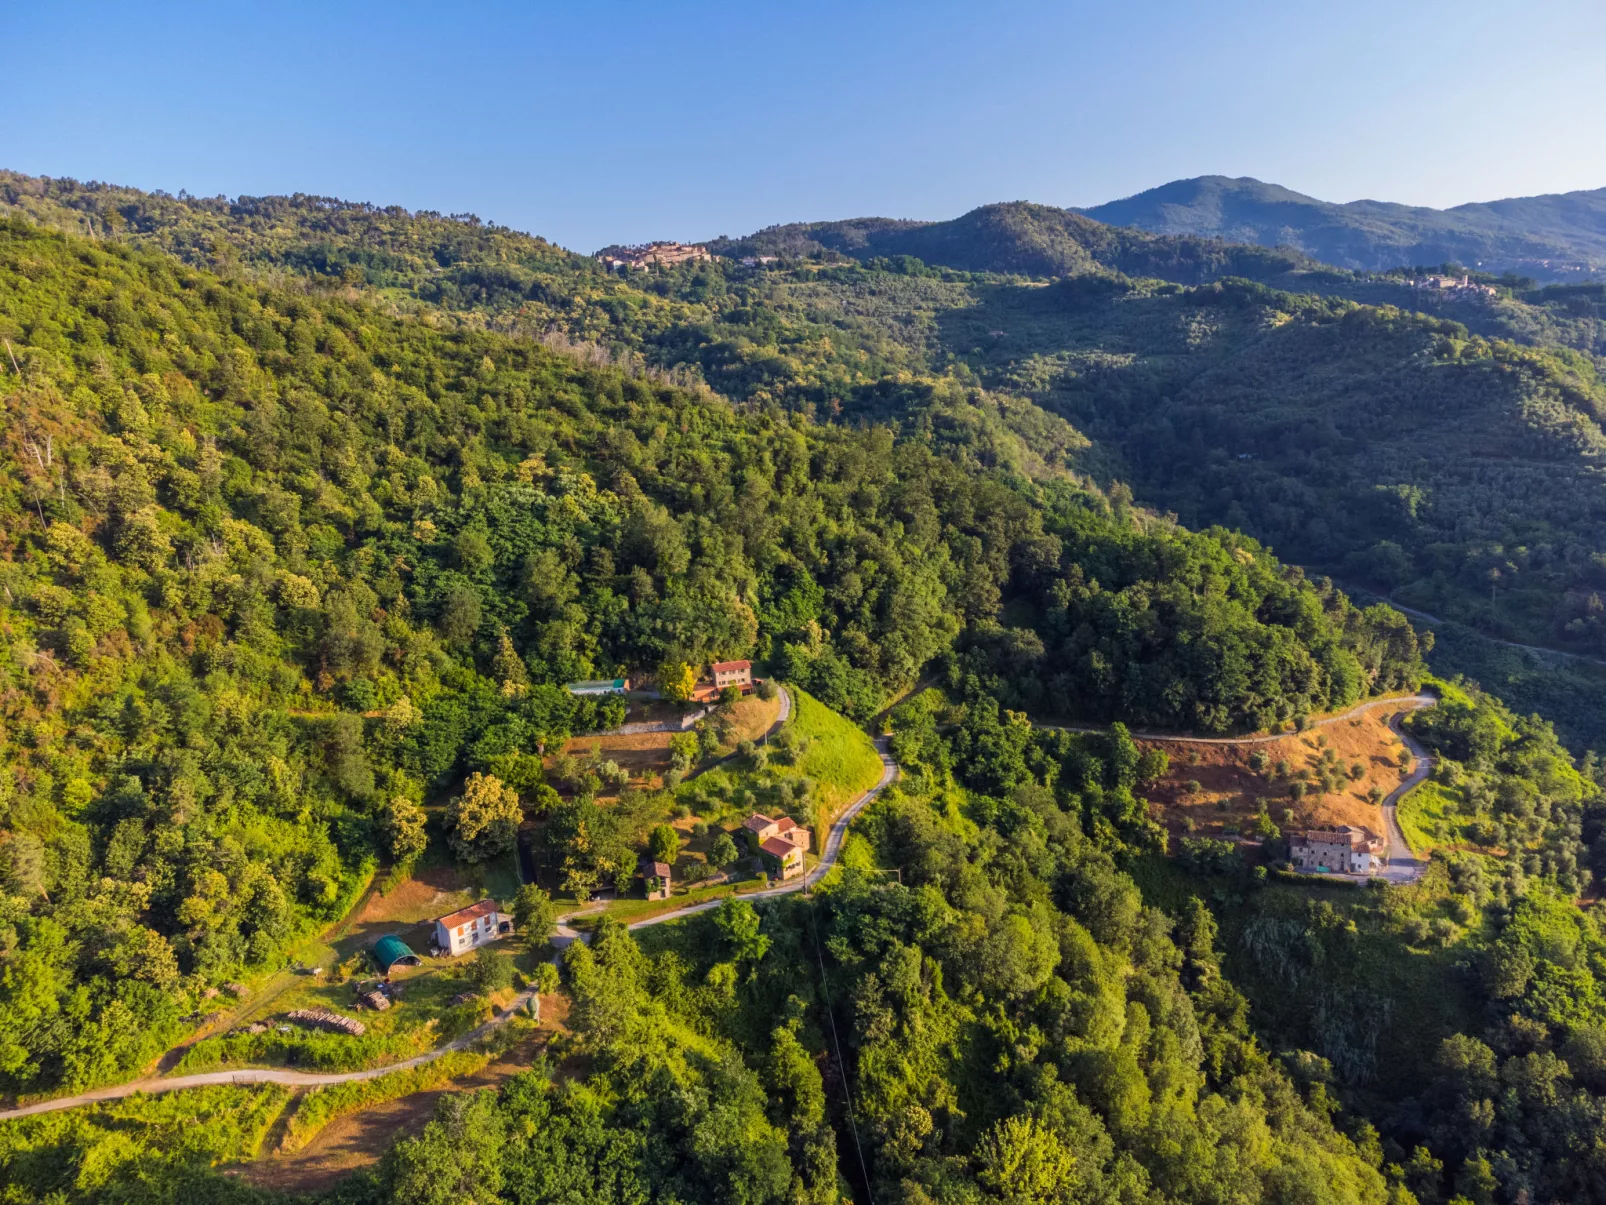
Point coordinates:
[[391, 951], [600, 686], [656, 877]]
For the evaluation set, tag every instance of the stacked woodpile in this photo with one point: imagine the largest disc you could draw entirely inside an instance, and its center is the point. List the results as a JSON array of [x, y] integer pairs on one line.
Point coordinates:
[[322, 1018]]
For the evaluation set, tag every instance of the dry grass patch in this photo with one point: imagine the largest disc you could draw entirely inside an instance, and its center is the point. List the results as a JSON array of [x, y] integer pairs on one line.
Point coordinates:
[[1220, 789]]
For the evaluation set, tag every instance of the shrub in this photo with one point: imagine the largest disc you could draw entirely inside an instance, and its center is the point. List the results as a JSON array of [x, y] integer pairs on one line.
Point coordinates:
[[533, 913], [663, 843], [402, 823], [491, 970], [1153, 765], [722, 852]]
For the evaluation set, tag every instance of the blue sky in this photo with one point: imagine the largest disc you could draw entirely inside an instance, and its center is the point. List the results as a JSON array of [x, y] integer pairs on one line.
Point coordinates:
[[621, 121]]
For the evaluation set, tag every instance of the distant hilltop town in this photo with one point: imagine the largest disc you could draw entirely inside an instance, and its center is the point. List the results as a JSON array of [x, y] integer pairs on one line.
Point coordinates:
[[667, 255], [653, 255], [1459, 287]]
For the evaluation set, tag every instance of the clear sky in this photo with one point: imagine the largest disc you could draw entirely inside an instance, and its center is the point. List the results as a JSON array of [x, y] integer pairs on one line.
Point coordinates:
[[599, 121]]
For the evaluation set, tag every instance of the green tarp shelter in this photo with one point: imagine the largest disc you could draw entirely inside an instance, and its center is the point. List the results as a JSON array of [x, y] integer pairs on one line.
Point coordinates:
[[391, 950]]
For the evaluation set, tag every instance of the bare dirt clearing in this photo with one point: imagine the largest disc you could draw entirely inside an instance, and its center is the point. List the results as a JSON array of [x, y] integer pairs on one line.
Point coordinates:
[[1220, 789]]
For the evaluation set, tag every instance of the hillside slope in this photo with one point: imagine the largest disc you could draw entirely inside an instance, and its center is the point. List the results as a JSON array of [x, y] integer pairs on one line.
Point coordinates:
[[1256, 409], [1025, 239], [278, 565], [1534, 235]]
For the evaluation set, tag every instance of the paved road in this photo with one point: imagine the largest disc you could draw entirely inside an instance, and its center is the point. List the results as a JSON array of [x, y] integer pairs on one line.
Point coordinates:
[[562, 936], [1403, 866]]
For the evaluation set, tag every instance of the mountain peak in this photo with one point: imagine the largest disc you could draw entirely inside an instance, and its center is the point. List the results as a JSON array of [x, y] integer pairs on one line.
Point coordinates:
[[1544, 235]]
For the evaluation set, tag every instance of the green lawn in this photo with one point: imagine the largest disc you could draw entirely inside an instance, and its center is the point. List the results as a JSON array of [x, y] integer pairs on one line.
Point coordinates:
[[839, 754], [1430, 816]]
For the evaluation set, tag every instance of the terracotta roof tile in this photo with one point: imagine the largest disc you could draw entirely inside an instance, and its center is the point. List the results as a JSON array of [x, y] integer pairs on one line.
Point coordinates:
[[473, 912]]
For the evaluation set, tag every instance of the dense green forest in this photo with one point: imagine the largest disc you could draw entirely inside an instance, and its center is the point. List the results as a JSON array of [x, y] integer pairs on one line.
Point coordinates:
[[278, 560], [309, 510], [1389, 449]]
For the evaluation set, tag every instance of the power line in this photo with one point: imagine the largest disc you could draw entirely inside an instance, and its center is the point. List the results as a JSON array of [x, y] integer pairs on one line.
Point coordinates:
[[836, 1041]]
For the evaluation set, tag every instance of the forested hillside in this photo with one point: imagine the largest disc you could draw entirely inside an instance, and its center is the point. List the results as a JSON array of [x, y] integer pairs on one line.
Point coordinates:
[[1024, 239], [300, 528], [1393, 451], [276, 560]]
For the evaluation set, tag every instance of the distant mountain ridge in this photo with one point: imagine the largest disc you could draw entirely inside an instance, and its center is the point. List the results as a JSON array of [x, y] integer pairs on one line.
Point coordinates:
[[1556, 235]]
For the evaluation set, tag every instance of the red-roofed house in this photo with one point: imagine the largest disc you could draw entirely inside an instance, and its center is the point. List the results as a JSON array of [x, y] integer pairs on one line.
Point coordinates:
[[468, 928], [782, 857], [732, 673], [788, 829], [760, 828], [780, 843]]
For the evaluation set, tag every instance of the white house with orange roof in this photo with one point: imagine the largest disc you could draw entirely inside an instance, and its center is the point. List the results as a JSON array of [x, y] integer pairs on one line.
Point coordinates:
[[732, 673], [469, 928]]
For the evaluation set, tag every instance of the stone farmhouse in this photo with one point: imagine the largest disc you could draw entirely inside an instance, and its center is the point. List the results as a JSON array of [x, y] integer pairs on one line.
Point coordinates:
[[1344, 850], [780, 843], [657, 879], [469, 928], [732, 673]]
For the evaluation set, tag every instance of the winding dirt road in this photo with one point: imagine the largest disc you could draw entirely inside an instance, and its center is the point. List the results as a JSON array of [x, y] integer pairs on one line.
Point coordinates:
[[1405, 702]]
